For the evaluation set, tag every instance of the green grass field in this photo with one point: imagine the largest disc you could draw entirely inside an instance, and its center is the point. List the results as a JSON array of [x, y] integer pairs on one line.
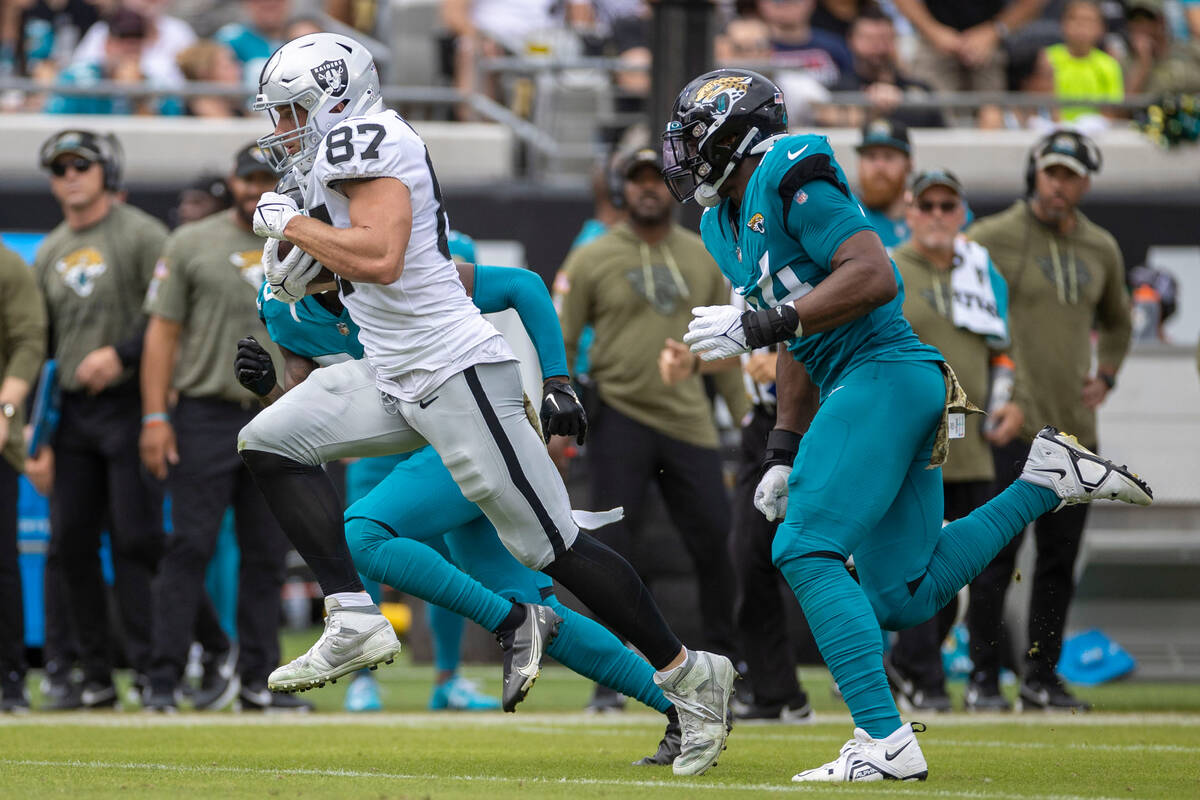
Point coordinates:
[[1143, 741]]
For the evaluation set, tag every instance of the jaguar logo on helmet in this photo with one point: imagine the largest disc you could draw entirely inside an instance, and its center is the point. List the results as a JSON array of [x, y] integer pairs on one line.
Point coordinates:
[[723, 91], [332, 77]]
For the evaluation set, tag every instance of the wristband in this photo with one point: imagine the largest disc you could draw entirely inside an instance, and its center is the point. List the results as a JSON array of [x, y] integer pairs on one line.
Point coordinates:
[[782, 447], [1109, 380], [160, 417], [771, 326]]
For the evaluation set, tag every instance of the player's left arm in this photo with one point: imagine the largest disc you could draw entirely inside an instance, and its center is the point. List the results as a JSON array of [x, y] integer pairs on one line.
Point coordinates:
[[495, 289], [372, 249]]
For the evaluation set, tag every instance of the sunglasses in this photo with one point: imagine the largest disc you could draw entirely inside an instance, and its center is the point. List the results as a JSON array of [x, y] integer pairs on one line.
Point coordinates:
[[81, 165], [946, 206]]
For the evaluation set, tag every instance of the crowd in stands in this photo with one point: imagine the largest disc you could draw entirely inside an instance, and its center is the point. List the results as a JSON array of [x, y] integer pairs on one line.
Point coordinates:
[[893, 51]]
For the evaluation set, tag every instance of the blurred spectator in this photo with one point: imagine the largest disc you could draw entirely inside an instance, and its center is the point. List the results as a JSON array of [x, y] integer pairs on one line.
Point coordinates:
[[262, 30], [165, 36], [492, 28], [93, 270], [836, 16], [1157, 65], [746, 41], [303, 26], [48, 32], [207, 195], [1065, 278], [795, 45], [201, 301], [212, 62], [124, 46], [22, 348], [884, 163], [960, 44], [956, 301], [636, 284], [1081, 70], [1155, 297], [872, 40]]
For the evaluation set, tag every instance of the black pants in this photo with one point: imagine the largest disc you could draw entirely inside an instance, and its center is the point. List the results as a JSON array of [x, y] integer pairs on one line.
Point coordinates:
[[12, 609], [918, 650], [1057, 537], [760, 614], [210, 477], [625, 457], [99, 483]]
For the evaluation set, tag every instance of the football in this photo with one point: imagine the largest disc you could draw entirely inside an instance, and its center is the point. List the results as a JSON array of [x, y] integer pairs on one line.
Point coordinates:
[[324, 276]]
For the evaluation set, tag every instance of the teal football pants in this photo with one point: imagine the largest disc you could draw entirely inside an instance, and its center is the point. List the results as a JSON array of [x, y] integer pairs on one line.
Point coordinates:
[[861, 486], [390, 532]]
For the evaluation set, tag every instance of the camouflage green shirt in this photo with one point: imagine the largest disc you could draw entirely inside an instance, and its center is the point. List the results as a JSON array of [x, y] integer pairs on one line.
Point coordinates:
[[93, 281], [207, 280], [22, 340]]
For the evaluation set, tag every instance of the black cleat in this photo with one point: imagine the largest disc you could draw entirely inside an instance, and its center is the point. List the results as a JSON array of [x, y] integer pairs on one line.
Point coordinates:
[[523, 651], [668, 747], [796, 711], [1038, 696]]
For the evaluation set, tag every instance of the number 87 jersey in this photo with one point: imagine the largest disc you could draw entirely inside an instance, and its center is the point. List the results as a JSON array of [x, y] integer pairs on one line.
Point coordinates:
[[422, 328]]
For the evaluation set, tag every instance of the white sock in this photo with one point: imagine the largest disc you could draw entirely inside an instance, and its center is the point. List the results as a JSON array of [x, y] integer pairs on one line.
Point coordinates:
[[664, 675], [347, 599]]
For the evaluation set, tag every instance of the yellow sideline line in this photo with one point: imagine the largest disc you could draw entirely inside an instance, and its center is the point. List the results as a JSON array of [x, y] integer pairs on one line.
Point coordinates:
[[921, 790]]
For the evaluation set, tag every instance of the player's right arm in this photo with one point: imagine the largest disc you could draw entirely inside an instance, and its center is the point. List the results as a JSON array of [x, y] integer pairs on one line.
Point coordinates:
[[256, 372]]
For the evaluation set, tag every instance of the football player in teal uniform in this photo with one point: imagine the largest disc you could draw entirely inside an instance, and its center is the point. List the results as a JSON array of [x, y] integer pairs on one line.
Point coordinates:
[[864, 407], [401, 531]]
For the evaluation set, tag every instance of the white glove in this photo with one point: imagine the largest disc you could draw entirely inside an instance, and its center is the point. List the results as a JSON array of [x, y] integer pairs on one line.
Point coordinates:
[[771, 494], [716, 332], [273, 213], [288, 277]]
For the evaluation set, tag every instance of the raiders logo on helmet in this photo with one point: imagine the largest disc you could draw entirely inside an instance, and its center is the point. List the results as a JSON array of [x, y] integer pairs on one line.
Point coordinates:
[[331, 76]]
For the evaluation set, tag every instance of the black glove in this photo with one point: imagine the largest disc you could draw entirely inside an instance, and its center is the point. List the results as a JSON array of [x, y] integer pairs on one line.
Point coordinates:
[[562, 413], [253, 367]]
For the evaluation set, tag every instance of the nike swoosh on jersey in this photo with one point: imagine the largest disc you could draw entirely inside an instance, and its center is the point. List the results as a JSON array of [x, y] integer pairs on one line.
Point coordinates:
[[429, 402], [793, 156]]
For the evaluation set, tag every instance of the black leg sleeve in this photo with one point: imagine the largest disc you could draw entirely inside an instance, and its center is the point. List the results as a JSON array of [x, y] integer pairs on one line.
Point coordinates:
[[306, 504], [611, 588]]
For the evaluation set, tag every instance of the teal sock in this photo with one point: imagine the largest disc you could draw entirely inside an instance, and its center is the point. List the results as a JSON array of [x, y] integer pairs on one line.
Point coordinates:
[[588, 648], [416, 568], [447, 628], [848, 636], [969, 544]]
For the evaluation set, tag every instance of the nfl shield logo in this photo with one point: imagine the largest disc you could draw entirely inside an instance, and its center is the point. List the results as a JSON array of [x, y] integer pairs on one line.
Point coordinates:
[[331, 76]]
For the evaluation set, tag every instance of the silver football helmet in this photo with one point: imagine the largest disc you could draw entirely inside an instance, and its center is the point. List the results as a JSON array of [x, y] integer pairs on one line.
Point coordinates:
[[330, 76]]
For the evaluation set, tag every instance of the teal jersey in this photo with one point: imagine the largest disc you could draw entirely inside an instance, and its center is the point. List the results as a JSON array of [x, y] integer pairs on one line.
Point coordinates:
[[892, 232], [796, 211], [308, 329]]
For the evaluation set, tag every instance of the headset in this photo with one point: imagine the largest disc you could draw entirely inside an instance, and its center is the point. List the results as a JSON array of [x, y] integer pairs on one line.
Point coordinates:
[[106, 146], [1092, 159], [615, 180]]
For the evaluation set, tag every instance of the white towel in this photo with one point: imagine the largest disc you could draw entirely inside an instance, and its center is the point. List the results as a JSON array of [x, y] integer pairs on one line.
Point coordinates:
[[973, 302]]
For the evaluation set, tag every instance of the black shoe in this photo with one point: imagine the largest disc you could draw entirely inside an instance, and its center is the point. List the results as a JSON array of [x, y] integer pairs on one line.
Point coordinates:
[[932, 700], [219, 685], [983, 694], [1039, 696], [258, 697], [796, 711], [668, 747], [161, 697], [98, 695], [606, 701], [523, 651], [14, 699]]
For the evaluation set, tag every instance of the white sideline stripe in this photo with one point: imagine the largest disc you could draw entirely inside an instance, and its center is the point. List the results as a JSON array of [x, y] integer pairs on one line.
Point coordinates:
[[628, 719], [924, 790]]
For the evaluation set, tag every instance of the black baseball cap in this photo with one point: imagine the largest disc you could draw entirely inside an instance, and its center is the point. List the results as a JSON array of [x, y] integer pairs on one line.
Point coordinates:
[[251, 160], [885, 133], [643, 156], [929, 178], [1071, 150], [75, 142]]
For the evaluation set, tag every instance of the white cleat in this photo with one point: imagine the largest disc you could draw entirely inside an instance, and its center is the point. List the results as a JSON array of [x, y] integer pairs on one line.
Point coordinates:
[[1057, 461], [896, 758], [700, 691], [354, 637]]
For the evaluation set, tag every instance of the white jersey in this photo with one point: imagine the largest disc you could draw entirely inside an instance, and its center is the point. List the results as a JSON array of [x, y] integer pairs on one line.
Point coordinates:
[[423, 328]]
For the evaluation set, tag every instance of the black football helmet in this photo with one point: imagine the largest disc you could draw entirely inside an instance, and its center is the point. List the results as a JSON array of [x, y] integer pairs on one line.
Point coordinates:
[[717, 119]]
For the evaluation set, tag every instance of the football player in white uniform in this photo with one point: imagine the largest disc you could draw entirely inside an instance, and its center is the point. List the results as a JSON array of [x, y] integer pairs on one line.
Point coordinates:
[[434, 372]]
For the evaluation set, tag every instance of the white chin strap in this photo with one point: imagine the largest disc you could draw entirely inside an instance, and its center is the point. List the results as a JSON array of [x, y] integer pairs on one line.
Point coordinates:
[[706, 194]]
